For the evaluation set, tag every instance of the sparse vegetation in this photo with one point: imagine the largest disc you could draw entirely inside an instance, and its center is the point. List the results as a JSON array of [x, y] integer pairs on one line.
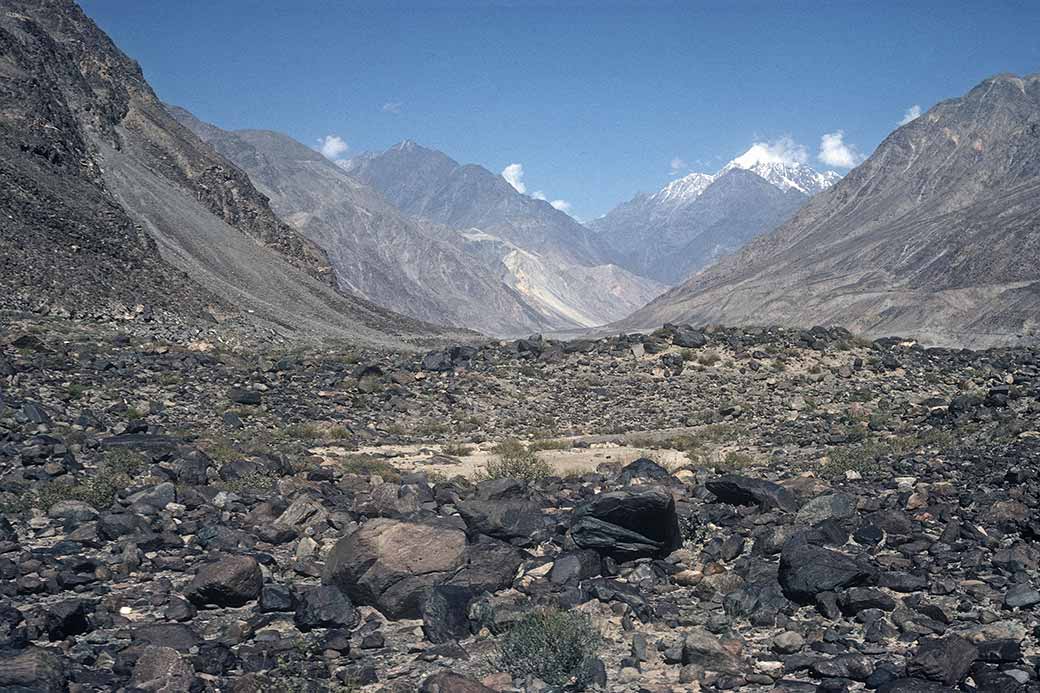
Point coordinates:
[[708, 357], [559, 647], [368, 465], [457, 450], [548, 444], [257, 481], [734, 460], [99, 488], [76, 390], [514, 461]]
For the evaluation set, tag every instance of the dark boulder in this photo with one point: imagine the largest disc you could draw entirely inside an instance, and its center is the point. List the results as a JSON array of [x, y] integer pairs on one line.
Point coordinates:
[[520, 521], [741, 490], [806, 570], [625, 525], [945, 660], [448, 682], [32, 670], [227, 580], [643, 470], [488, 565], [326, 606], [445, 613]]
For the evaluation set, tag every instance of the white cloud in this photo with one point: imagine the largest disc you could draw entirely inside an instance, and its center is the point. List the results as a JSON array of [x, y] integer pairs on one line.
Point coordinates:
[[514, 175], [834, 151], [677, 166], [912, 113], [332, 146], [392, 106], [781, 151]]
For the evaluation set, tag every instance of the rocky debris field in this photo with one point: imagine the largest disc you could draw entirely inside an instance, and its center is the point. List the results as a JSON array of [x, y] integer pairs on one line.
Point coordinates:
[[813, 512]]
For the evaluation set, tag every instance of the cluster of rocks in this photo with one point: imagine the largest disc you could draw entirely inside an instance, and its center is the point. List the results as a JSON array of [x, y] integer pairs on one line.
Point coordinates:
[[149, 543]]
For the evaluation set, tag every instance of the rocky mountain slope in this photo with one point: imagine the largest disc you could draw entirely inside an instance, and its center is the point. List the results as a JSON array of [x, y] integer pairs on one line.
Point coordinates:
[[115, 210], [558, 266], [696, 219], [414, 268], [741, 509], [935, 236]]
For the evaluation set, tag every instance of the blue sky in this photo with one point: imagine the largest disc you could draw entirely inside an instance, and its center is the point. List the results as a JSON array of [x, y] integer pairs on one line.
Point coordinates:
[[596, 101]]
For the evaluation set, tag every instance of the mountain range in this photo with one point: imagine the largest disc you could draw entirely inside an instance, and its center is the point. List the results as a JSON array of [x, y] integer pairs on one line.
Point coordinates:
[[561, 269], [117, 207], [935, 236], [694, 220], [114, 211]]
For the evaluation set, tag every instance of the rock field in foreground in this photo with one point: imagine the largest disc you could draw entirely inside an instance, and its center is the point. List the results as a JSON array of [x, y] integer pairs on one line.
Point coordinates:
[[852, 515]]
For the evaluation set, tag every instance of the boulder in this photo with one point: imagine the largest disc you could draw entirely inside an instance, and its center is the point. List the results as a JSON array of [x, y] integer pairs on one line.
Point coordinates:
[[445, 613], [740, 490], [228, 580], [643, 470], [449, 682], [488, 565], [521, 521], [326, 606], [807, 570], [162, 670], [391, 564], [837, 506], [625, 525], [706, 651], [32, 670], [945, 660]]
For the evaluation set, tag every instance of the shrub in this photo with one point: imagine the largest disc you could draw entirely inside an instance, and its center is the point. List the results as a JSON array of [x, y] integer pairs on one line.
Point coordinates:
[[548, 444], [515, 461], [734, 460], [366, 465], [708, 357], [99, 490], [457, 450], [559, 647]]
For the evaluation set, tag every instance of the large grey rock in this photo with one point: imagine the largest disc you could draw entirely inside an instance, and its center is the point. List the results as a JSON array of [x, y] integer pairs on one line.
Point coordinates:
[[390, 564], [226, 580], [705, 650], [837, 506]]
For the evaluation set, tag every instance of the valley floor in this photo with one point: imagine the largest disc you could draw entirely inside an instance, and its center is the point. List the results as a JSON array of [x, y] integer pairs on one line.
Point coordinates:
[[846, 514]]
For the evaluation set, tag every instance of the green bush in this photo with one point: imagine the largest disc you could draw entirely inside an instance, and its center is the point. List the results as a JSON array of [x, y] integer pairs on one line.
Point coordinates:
[[559, 647], [515, 461], [99, 490]]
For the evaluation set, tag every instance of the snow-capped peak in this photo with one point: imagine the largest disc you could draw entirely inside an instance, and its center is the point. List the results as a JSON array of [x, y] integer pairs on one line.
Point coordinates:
[[685, 188], [784, 167]]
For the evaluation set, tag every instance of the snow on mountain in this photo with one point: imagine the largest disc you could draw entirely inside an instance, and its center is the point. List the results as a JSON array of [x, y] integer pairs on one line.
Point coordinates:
[[683, 189], [786, 175]]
